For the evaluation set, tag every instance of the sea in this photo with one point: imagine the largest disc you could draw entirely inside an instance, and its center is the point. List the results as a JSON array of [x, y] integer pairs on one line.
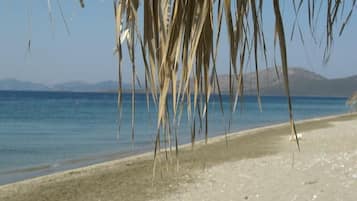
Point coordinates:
[[46, 132]]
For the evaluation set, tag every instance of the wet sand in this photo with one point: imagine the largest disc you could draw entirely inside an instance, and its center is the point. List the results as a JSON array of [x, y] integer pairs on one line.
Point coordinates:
[[257, 164]]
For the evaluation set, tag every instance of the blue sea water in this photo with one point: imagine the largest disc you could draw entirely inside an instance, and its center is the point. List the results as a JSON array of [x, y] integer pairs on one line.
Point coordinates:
[[45, 132]]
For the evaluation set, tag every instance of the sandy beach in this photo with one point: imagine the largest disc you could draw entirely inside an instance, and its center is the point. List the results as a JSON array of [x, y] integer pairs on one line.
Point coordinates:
[[257, 164]]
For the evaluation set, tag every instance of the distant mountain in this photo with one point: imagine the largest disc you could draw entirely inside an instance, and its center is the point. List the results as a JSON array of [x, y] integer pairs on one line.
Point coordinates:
[[302, 83], [75, 86], [13, 84], [105, 86]]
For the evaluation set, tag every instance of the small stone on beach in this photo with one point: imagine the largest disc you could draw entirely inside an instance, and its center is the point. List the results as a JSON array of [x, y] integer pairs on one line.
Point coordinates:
[[354, 176]]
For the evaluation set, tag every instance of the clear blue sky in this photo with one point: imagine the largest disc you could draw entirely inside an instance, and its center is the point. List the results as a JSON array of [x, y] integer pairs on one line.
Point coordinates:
[[87, 53]]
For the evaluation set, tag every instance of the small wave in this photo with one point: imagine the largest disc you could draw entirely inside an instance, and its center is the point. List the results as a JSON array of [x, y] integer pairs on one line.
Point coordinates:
[[55, 165], [26, 170]]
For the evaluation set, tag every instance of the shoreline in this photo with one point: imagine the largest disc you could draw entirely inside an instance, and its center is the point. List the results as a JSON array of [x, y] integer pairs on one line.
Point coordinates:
[[46, 169], [93, 160], [186, 156], [56, 142]]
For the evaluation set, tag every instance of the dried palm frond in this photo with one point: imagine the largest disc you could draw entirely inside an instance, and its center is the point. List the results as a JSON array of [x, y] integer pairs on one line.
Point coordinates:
[[179, 40], [352, 100], [63, 18], [82, 3]]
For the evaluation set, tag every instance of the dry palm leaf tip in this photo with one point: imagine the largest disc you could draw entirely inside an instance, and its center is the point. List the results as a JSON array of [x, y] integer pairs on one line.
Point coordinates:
[[179, 41]]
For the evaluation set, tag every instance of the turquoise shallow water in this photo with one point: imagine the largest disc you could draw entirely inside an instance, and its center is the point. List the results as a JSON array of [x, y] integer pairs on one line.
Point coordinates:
[[45, 132]]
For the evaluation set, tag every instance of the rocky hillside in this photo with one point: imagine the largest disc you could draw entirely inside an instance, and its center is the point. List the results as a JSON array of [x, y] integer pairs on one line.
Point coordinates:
[[302, 83]]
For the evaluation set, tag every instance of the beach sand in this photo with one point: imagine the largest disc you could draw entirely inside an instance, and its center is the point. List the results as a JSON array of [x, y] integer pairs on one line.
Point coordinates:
[[258, 164]]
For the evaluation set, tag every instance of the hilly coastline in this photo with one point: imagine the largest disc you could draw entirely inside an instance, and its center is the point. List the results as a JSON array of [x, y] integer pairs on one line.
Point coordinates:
[[302, 83]]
